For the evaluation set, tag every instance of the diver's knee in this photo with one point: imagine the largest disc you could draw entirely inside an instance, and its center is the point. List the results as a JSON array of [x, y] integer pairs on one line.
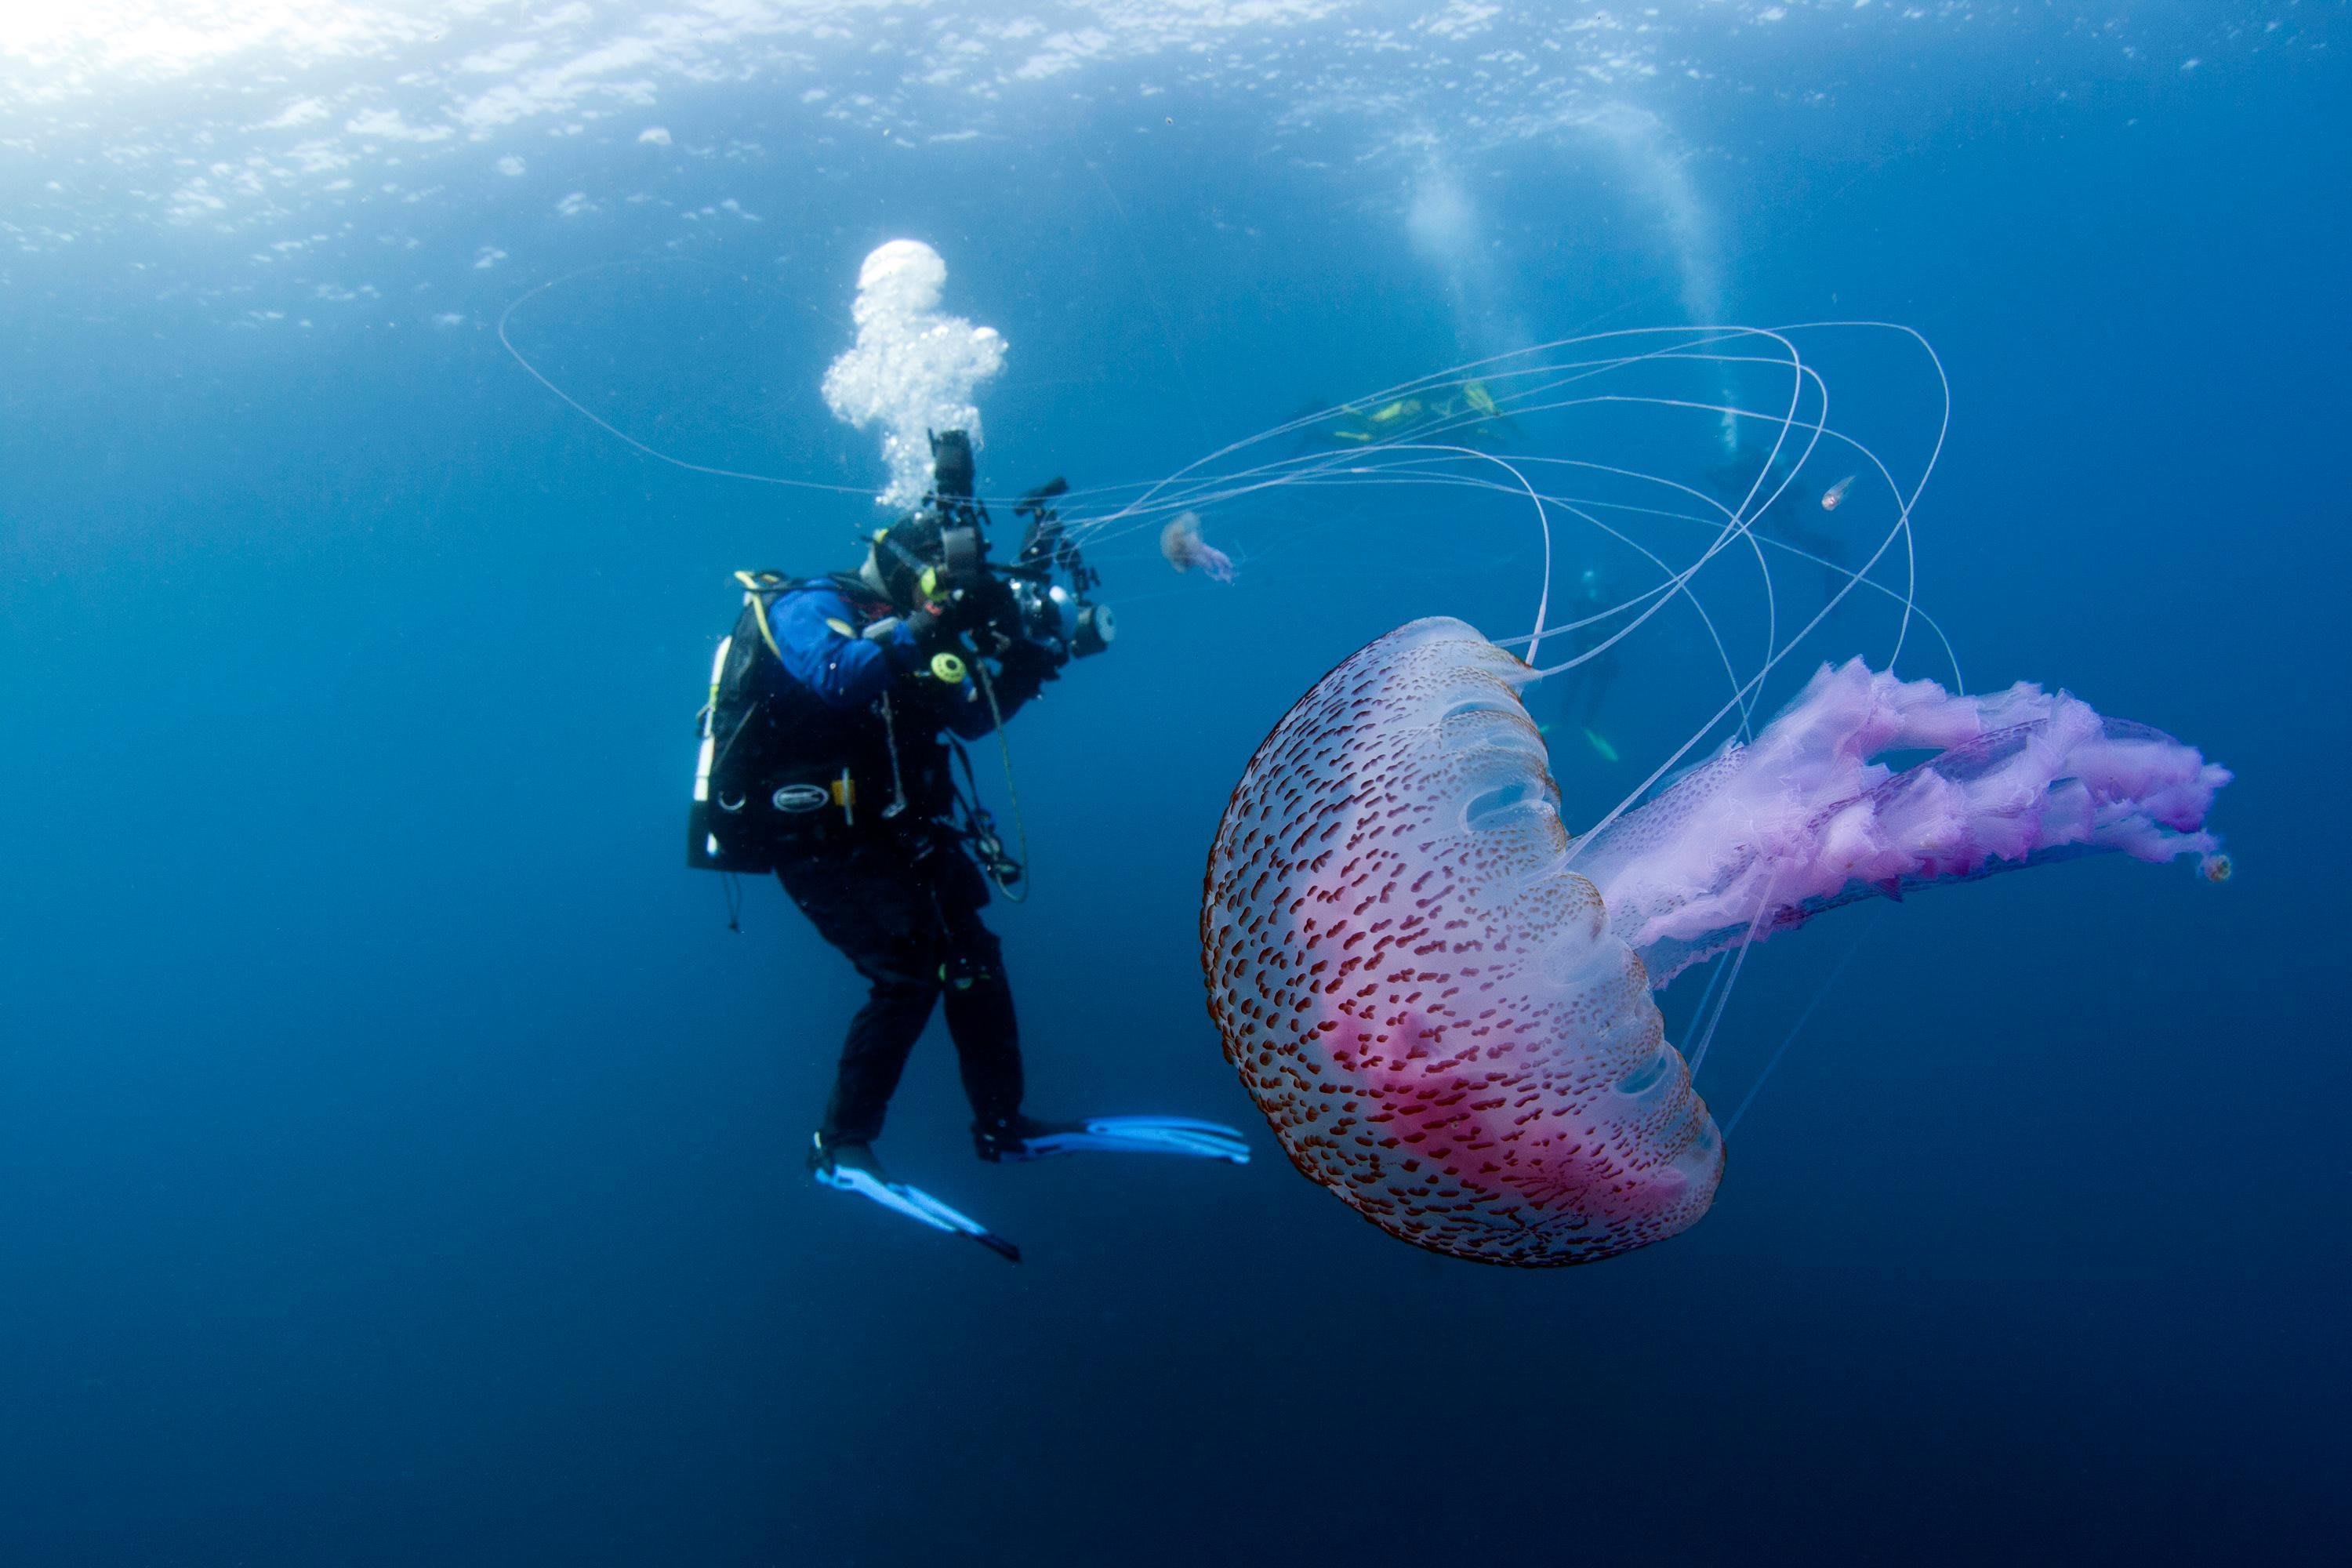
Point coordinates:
[[973, 965], [903, 980]]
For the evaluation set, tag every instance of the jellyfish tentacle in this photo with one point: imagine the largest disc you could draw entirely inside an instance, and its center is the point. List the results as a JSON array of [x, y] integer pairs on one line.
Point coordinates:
[[2020, 777], [1739, 959], [1829, 984]]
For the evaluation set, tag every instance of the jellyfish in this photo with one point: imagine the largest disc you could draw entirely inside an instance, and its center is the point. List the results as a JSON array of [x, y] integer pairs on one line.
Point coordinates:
[[1439, 998], [1834, 497], [1182, 544], [1442, 1002], [1424, 1003]]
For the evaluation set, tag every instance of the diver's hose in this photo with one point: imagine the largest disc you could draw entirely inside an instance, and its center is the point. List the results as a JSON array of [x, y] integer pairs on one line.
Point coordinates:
[[1012, 792], [890, 738]]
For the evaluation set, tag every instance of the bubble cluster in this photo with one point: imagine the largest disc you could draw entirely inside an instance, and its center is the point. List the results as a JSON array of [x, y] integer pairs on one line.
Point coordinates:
[[913, 369]]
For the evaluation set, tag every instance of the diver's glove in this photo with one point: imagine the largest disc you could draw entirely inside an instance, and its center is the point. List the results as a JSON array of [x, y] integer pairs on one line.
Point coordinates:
[[1030, 664], [987, 611]]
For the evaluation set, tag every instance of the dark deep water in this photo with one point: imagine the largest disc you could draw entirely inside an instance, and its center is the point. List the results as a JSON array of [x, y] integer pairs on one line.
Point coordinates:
[[400, 1160]]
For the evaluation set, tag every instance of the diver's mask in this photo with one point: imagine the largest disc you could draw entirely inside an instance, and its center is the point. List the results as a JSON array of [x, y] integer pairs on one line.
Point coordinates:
[[922, 561]]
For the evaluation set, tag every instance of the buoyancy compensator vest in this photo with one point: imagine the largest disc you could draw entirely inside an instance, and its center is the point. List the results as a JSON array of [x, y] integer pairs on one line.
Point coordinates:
[[779, 769]]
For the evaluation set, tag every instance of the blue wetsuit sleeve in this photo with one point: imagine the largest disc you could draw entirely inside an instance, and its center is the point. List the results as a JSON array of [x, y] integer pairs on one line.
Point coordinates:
[[843, 668]]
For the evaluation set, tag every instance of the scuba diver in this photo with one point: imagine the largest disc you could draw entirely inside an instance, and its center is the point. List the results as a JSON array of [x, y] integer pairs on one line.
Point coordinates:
[[831, 746], [1464, 413]]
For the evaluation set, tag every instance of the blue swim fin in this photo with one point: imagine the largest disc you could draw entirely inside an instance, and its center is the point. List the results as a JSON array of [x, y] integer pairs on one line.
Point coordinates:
[[1127, 1135], [851, 1168]]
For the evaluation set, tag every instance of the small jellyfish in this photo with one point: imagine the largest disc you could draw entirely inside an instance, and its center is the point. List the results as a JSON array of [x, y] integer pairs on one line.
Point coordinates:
[[1181, 543], [1833, 497]]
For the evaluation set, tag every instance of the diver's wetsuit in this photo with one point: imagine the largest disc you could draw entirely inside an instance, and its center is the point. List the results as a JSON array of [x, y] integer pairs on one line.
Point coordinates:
[[905, 909], [894, 892]]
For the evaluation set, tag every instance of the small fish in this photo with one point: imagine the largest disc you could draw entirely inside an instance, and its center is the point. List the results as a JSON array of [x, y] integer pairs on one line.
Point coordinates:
[[1836, 493]]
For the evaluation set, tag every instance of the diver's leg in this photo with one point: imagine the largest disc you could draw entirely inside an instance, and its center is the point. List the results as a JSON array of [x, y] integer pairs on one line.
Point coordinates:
[[987, 1034], [1561, 700], [1603, 671], [874, 909], [981, 1018], [881, 1038]]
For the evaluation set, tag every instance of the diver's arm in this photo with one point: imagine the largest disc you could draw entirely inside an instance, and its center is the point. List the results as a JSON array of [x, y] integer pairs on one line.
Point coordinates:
[[816, 640], [1023, 672]]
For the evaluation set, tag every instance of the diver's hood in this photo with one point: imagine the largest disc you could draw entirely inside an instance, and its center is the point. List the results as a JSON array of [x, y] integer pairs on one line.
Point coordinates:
[[902, 553]]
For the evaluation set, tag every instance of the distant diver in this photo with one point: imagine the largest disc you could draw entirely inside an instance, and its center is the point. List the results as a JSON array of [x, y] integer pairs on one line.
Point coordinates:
[[823, 760], [1464, 413]]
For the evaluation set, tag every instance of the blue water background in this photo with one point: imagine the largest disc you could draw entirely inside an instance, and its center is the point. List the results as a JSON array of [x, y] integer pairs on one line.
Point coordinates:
[[400, 1159]]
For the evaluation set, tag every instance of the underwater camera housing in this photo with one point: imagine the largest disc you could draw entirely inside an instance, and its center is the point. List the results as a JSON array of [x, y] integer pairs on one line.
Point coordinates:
[[1022, 601], [1067, 617]]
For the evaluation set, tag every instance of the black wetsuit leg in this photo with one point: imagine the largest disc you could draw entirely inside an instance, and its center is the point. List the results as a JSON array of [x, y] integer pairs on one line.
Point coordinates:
[[906, 913], [1598, 677], [980, 1019]]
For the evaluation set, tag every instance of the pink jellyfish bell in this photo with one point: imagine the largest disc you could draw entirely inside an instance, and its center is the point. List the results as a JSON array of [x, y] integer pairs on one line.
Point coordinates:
[[1426, 1004], [1442, 1003]]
